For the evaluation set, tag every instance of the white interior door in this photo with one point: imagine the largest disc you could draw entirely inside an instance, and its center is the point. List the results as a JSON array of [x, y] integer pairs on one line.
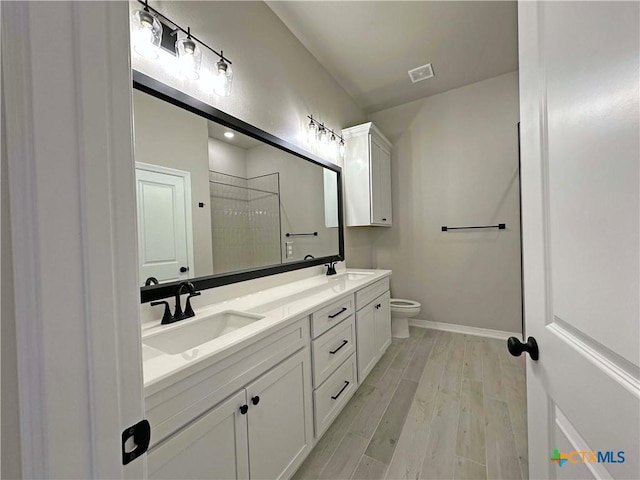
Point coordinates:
[[579, 67], [164, 223]]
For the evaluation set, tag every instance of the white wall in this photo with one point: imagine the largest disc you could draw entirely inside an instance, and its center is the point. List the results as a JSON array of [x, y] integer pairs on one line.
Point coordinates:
[[277, 82], [455, 162], [226, 158], [10, 456], [171, 137]]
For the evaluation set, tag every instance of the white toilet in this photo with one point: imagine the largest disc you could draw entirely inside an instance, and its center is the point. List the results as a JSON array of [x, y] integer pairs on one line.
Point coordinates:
[[401, 311]]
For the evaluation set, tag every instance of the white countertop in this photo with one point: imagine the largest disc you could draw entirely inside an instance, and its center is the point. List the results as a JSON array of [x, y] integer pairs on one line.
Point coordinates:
[[279, 305]]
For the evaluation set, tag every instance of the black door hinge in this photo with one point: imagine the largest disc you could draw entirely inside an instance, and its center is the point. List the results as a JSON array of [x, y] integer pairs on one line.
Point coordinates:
[[135, 441]]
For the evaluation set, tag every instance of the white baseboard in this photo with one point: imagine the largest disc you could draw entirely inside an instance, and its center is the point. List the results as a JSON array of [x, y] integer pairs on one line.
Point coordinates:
[[450, 327]]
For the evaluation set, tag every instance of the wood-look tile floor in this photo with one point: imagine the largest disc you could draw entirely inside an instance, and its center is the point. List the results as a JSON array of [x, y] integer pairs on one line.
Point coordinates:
[[438, 405]]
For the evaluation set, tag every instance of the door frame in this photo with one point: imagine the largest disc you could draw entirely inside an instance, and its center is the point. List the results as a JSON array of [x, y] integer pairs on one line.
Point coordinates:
[[71, 176], [186, 176]]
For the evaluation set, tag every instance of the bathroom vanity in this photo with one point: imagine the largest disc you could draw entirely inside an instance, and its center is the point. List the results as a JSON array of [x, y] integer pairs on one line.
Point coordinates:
[[249, 381], [248, 386]]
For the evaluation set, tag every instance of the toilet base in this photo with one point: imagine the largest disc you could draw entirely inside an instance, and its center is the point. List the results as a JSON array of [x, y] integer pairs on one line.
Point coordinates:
[[399, 327]]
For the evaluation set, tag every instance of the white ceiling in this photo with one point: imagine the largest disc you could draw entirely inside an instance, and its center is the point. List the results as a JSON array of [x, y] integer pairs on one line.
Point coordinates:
[[369, 46]]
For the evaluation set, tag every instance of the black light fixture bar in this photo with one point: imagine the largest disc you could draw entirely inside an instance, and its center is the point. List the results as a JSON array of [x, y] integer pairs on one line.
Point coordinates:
[[321, 124], [186, 32]]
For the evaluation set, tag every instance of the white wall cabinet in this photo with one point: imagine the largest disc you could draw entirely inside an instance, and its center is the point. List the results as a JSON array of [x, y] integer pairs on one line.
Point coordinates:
[[373, 330], [263, 431], [367, 177]]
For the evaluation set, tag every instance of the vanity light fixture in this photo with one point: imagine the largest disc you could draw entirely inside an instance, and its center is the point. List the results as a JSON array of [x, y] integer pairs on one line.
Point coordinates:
[[222, 77], [189, 57], [325, 135], [146, 33], [152, 30]]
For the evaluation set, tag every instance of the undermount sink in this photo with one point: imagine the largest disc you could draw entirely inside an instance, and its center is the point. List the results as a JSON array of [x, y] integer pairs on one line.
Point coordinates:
[[182, 338], [358, 275]]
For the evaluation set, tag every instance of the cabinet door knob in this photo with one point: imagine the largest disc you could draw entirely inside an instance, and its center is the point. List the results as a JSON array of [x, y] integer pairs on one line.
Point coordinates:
[[384, 219], [244, 409], [255, 400]]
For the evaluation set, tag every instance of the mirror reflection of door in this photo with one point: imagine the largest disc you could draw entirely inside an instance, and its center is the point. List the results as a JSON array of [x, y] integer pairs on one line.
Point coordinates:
[[165, 242]]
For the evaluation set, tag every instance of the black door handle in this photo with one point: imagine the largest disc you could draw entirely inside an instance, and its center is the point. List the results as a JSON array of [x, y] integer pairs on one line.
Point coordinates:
[[244, 409], [516, 347], [255, 400], [184, 269]]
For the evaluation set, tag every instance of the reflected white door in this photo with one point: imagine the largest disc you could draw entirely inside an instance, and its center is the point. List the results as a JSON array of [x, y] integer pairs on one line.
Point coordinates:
[[579, 67], [164, 223]]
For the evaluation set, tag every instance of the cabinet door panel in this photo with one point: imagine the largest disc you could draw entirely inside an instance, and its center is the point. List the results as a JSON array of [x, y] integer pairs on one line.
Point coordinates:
[[377, 213], [214, 446], [367, 351], [383, 322], [280, 424], [384, 194]]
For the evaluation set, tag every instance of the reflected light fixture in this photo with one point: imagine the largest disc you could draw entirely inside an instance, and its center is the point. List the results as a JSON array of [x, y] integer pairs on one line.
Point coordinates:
[[189, 57], [229, 134], [146, 34]]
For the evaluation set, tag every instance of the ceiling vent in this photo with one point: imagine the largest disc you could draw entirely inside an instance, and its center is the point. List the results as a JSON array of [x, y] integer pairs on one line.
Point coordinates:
[[421, 73]]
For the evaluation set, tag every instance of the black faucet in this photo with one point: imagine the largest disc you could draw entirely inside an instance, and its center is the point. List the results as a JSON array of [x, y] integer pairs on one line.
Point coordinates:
[[178, 313], [331, 266]]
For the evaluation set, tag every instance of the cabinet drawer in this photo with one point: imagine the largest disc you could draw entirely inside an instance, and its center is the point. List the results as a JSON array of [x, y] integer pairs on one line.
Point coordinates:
[[331, 349], [370, 293], [331, 315], [334, 394]]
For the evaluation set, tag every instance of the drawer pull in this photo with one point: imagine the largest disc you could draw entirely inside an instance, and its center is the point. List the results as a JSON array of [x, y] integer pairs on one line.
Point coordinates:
[[344, 342], [255, 400], [343, 309], [346, 384], [244, 409]]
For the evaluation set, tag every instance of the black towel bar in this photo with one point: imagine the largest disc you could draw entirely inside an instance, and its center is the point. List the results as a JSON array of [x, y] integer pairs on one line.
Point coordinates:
[[500, 226], [314, 234]]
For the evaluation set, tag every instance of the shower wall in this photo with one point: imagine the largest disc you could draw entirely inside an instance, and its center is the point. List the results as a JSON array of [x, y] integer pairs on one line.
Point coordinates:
[[245, 221]]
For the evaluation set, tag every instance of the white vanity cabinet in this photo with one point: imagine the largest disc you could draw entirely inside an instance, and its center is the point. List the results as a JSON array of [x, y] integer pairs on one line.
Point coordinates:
[[215, 446], [367, 177], [262, 429], [373, 325], [333, 348]]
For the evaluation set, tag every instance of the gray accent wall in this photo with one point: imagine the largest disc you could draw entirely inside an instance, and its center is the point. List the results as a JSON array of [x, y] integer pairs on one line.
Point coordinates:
[[455, 162]]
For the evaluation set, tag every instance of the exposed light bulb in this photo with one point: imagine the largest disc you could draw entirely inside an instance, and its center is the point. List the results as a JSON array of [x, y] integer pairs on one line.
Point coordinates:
[[146, 34], [322, 135], [312, 130], [341, 148], [222, 78], [189, 58]]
